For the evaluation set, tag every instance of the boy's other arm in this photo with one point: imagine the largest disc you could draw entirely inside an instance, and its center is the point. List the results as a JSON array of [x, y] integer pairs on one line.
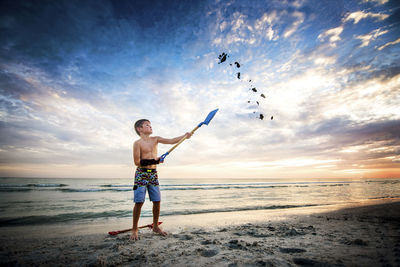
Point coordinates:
[[136, 153], [171, 141]]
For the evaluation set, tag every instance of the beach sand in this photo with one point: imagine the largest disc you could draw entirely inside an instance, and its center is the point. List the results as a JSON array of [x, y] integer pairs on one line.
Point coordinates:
[[368, 235]]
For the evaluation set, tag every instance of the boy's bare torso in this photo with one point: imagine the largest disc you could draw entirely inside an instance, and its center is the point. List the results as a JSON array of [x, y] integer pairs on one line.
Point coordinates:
[[148, 149]]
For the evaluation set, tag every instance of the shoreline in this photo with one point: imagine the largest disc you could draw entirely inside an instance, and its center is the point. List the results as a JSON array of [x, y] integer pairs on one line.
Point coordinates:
[[177, 223], [365, 235]]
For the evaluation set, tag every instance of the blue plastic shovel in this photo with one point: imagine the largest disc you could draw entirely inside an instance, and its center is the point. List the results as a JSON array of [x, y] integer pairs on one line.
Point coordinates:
[[210, 116]]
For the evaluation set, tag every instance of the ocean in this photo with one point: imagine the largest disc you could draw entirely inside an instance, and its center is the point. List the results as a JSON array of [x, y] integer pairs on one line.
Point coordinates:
[[45, 201]]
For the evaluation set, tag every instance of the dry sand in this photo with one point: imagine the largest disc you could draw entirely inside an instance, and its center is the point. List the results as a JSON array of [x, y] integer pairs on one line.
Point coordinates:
[[362, 236]]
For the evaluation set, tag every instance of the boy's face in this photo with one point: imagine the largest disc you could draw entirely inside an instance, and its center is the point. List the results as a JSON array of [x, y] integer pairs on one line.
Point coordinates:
[[146, 128]]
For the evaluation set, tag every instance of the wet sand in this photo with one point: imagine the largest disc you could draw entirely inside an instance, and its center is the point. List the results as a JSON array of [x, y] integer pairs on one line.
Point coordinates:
[[361, 236]]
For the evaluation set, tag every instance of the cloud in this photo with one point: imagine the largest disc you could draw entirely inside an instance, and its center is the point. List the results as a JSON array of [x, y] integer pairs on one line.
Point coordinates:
[[239, 29], [358, 144], [379, 2], [325, 60], [333, 35], [295, 25], [357, 16], [298, 3], [367, 38], [41, 122], [346, 132], [265, 25], [252, 30], [389, 44]]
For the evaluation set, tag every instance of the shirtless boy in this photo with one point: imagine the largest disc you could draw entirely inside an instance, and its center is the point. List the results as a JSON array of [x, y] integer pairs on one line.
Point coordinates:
[[145, 157]]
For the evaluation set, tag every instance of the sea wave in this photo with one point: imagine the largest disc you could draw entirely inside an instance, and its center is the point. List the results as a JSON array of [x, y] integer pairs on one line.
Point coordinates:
[[47, 185], [235, 209], [238, 186], [326, 185], [76, 190], [60, 218], [115, 185], [31, 185], [12, 185], [386, 197], [176, 187], [15, 189], [84, 216], [221, 187]]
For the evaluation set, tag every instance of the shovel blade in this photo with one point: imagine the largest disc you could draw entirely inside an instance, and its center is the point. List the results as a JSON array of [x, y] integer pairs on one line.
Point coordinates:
[[210, 116]]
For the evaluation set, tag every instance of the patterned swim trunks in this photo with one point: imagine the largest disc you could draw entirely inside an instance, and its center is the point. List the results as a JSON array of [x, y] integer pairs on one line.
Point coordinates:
[[146, 179]]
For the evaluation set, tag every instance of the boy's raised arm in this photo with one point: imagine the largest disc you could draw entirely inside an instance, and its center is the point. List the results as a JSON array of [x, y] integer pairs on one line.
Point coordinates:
[[136, 154], [172, 141]]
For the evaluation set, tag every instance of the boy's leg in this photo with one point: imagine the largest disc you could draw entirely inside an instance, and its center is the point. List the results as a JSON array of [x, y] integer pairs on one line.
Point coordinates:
[[139, 195], [136, 215], [155, 197], [156, 215], [156, 212]]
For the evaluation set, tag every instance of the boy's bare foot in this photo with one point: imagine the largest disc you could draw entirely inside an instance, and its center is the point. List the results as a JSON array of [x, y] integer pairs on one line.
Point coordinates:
[[159, 231], [135, 235]]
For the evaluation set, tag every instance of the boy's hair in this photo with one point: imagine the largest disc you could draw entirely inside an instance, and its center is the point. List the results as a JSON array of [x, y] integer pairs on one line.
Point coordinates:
[[139, 124]]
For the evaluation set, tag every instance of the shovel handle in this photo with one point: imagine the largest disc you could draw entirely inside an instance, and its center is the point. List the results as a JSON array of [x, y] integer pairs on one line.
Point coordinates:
[[183, 139], [177, 144]]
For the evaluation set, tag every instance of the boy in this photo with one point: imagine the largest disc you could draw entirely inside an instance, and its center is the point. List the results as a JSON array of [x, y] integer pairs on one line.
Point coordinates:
[[145, 158]]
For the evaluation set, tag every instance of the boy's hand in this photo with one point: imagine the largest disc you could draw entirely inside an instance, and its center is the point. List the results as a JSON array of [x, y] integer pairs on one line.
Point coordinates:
[[159, 160], [188, 135]]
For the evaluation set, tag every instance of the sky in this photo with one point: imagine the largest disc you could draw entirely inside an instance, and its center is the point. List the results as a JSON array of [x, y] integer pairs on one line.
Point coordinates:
[[76, 75]]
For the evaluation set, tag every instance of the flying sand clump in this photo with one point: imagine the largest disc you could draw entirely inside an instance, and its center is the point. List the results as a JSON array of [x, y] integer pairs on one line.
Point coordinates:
[[222, 58]]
